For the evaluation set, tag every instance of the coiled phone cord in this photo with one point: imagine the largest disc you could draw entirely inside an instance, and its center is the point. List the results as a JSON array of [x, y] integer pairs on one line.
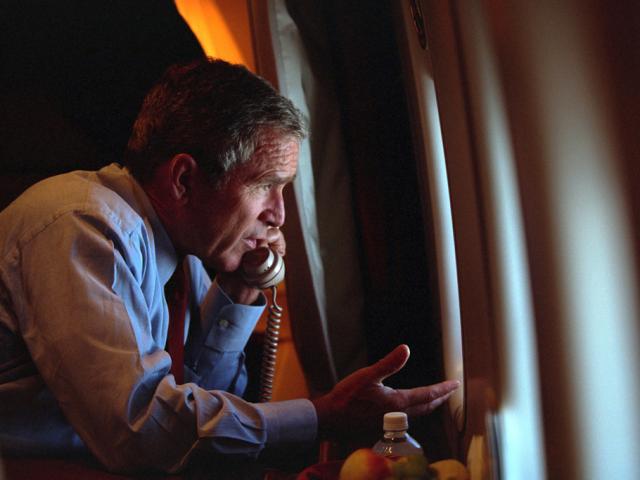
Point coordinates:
[[270, 348]]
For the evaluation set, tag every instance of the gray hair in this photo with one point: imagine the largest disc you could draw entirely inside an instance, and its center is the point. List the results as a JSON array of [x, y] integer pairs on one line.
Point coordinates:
[[213, 110]]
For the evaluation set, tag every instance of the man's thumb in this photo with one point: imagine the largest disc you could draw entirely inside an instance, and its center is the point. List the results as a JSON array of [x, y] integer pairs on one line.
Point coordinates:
[[391, 363]]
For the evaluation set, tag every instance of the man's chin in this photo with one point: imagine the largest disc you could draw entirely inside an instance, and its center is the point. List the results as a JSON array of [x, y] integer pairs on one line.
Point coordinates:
[[224, 265]]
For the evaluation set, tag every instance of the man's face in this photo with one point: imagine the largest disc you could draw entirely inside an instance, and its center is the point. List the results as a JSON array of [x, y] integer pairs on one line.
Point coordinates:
[[228, 222]]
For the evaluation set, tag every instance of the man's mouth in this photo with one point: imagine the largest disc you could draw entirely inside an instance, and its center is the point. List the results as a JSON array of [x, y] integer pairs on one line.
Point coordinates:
[[252, 242]]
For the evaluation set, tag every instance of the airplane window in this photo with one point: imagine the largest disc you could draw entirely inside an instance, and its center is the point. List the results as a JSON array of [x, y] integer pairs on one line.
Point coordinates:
[[433, 169], [446, 258]]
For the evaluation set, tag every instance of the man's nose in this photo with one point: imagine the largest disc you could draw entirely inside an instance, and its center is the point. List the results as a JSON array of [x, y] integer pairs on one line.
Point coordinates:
[[274, 215]]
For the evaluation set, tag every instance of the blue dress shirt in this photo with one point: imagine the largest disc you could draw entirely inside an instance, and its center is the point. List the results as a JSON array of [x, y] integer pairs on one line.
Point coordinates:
[[83, 324]]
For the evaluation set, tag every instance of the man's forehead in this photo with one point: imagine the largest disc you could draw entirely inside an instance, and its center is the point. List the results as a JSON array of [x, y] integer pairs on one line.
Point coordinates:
[[275, 158], [276, 151]]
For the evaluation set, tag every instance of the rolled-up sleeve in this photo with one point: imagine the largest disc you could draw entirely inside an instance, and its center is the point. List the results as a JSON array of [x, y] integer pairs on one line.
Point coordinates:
[[289, 421]]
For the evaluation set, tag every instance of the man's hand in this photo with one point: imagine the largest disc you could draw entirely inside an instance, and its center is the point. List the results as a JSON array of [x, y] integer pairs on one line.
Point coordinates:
[[275, 241], [232, 283], [361, 399]]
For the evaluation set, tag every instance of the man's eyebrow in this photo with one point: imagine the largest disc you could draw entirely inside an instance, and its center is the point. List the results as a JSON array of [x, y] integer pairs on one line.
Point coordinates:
[[275, 178]]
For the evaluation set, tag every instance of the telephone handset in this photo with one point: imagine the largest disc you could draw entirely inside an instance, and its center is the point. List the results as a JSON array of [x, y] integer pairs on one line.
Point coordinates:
[[264, 268]]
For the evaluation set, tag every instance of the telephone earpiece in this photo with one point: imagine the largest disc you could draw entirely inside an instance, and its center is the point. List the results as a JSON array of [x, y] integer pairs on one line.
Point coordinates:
[[262, 268]]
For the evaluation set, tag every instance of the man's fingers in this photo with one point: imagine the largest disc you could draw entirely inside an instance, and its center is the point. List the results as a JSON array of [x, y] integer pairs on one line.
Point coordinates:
[[421, 400], [273, 233], [427, 408], [276, 241], [388, 365]]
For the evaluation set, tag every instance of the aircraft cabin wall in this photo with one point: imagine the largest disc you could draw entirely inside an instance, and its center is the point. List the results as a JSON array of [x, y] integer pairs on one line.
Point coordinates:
[[524, 112]]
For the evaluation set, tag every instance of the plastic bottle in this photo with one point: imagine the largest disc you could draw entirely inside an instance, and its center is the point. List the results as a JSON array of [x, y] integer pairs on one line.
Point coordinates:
[[396, 442]]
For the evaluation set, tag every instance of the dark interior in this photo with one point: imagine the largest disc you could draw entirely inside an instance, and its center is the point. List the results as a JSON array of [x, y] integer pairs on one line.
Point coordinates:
[[73, 77]]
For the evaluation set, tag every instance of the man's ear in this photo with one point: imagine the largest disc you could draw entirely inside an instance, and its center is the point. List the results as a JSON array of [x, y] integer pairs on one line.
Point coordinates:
[[182, 174]]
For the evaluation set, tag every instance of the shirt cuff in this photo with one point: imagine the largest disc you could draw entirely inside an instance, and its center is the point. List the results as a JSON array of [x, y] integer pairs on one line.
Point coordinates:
[[290, 421], [228, 325]]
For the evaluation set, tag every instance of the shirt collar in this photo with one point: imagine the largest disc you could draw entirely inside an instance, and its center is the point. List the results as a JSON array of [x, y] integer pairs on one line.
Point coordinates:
[[121, 180]]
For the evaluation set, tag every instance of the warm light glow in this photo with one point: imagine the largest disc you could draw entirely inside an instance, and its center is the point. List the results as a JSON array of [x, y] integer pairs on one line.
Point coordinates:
[[222, 28]]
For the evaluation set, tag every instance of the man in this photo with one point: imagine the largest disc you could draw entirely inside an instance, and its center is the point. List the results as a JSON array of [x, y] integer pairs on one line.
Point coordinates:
[[85, 259]]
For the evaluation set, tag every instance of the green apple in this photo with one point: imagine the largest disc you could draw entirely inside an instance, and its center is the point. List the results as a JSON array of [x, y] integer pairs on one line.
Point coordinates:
[[411, 466]]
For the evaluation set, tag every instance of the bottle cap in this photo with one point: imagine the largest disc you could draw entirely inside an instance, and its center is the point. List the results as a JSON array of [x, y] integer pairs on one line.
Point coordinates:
[[395, 421]]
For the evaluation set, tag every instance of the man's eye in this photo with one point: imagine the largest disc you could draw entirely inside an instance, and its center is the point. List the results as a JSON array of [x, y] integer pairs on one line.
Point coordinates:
[[266, 187]]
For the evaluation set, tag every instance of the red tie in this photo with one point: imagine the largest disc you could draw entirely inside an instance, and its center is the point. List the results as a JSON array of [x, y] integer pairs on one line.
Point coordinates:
[[177, 295]]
